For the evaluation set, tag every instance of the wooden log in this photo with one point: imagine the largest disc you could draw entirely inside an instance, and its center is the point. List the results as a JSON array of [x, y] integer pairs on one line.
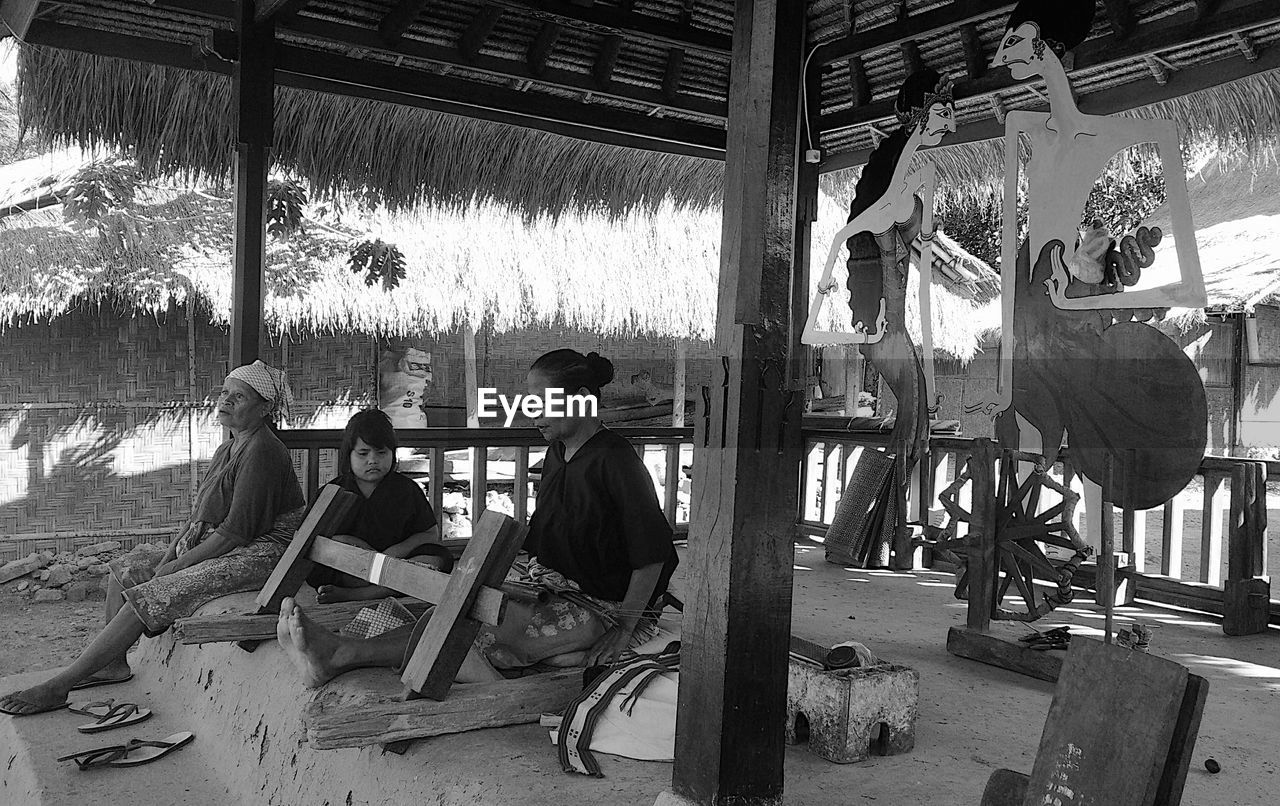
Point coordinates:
[[994, 650], [364, 708], [403, 576], [439, 652], [226, 627]]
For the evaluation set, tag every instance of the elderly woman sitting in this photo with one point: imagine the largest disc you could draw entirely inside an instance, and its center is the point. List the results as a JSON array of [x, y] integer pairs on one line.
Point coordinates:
[[247, 507]]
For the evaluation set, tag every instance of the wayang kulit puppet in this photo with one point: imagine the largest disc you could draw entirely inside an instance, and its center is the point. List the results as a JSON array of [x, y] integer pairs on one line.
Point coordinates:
[[1074, 363]]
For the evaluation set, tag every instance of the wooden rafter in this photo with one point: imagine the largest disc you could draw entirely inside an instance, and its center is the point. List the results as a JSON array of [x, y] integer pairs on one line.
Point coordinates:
[[911, 57], [478, 31], [1105, 102], [1106, 51], [279, 10], [673, 74], [16, 16], [859, 86], [1121, 15], [926, 25], [602, 19], [606, 60], [975, 61], [399, 18], [340, 75], [540, 48]]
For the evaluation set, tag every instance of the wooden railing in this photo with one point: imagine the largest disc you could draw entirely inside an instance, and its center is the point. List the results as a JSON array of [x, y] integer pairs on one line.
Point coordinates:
[[1233, 536], [659, 447]]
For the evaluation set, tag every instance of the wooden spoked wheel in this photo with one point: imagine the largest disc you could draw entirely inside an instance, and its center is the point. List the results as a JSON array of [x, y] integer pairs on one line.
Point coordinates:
[[1021, 532]]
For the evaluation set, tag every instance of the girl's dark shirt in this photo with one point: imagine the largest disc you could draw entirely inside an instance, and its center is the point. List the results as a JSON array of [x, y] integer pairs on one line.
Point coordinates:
[[598, 518], [397, 509]]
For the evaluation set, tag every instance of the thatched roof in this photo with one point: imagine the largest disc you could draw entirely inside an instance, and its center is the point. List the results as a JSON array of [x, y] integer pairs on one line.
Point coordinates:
[[648, 274]]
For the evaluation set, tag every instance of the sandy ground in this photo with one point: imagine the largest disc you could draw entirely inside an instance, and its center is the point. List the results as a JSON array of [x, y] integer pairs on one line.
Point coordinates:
[[43, 636]]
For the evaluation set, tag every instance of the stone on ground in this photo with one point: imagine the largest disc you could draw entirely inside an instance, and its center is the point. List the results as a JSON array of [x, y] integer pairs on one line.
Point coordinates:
[[48, 595], [59, 575], [99, 548]]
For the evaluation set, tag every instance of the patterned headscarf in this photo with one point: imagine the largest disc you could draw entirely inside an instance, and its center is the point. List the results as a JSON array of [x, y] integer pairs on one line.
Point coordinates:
[[269, 382]]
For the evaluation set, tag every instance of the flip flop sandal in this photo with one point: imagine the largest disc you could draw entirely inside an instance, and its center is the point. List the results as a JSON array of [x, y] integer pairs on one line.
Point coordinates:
[[1056, 634], [125, 713], [92, 682], [130, 755], [93, 709], [41, 710]]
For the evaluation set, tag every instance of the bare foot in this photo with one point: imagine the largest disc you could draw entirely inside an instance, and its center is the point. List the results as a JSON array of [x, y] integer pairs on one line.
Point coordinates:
[[35, 700], [329, 594], [309, 646]]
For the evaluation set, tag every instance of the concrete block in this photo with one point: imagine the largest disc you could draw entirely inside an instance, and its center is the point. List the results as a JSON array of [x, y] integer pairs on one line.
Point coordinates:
[[847, 714]]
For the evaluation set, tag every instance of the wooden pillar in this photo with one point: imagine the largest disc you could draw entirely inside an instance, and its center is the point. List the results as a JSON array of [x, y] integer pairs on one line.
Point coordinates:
[[734, 664], [852, 378], [679, 384], [472, 376], [253, 96]]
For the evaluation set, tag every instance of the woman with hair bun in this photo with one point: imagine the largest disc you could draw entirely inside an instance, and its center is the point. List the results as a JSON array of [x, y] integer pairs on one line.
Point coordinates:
[[601, 551]]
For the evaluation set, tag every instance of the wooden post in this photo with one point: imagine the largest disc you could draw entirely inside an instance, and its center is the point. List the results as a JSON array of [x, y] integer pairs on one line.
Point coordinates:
[[253, 95], [981, 540], [1106, 582], [680, 382], [472, 376], [852, 378], [1247, 589], [737, 627]]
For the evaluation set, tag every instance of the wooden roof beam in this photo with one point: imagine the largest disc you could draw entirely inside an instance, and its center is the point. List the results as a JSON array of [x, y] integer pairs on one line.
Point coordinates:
[[673, 74], [399, 19], [541, 47], [925, 25], [975, 61], [278, 10], [601, 19], [1150, 39], [478, 32], [859, 86], [1110, 101], [911, 57], [606, 60]]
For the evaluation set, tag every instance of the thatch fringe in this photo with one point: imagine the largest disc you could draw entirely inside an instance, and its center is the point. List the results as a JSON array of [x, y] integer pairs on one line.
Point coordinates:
[[178, 123]]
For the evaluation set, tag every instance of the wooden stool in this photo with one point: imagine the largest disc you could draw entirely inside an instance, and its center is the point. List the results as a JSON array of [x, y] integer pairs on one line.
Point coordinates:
[[839, 711]]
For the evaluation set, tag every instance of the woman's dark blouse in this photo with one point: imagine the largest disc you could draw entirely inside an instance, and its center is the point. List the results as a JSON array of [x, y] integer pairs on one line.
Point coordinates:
[[396, 510], [598, 518]]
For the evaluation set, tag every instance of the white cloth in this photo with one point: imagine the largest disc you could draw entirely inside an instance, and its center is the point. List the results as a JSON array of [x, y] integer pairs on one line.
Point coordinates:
[[269, 382]]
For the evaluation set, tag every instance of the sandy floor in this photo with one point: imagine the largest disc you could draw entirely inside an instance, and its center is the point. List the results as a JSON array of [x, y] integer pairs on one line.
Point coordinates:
[[43, 636]]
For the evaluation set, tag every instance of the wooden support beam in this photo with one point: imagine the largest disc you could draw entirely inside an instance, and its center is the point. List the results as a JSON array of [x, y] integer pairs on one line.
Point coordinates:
[[602, 19], [911, 57], [401, 16], [478, 31], [1247, 589], [1121, 15], [673, 74], [606, 60], [1245, 43], [540, 48], [232, 627], [975, 60], [253, 98], [16, 16], [734, 665], [859, 86], [1175, 30], [278, 10]]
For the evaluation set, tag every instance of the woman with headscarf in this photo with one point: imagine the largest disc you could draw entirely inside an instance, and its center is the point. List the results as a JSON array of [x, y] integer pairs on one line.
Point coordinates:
[[246, 510]]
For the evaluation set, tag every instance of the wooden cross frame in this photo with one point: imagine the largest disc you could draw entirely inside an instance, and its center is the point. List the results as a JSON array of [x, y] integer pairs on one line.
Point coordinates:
[[465, 599]]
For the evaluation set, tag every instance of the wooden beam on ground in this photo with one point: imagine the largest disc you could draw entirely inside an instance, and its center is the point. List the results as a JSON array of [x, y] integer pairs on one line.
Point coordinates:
[[1109, 101], [541, 47], [924, 26], [478, 31], [230, 627], [278, 10], [363, 708], [253, 98], [399, 18], [735, 661], [1006, 653], [403, 576], [16, 15], [1107, 51], [627, 23]]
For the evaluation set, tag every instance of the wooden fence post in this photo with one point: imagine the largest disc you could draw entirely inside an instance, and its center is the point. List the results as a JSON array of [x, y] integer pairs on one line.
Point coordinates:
[[1247, 590]]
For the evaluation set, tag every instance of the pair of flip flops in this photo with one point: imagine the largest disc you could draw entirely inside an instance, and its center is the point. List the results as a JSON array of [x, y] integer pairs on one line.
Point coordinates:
[[109, 714], [132, 754], [89, 682], [1057, 638]]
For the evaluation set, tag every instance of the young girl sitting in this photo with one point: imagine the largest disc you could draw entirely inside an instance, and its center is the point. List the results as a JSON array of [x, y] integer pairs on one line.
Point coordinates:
[[392, 517]]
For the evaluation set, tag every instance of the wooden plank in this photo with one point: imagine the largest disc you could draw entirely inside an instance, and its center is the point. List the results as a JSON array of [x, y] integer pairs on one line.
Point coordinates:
[[733, 688], [1106, 585], [980, 543], [1247, 538], [471, 375], [929, 25], [540, 49], [1211, 530], [253, 98], [398, 20], [17, 16], [859, 85], [1183, 745], [606, 60], [437, 485], [444, 643], [1110, 726], [994, 650], [671, 484], [230, 627], [680, 384], [313, 473], [327, 515], [520, 489], [479, 483], [477, 33], [627, 23], [975, 61], [422, 583], [673, 73], [362, 708], [1171, 539]]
